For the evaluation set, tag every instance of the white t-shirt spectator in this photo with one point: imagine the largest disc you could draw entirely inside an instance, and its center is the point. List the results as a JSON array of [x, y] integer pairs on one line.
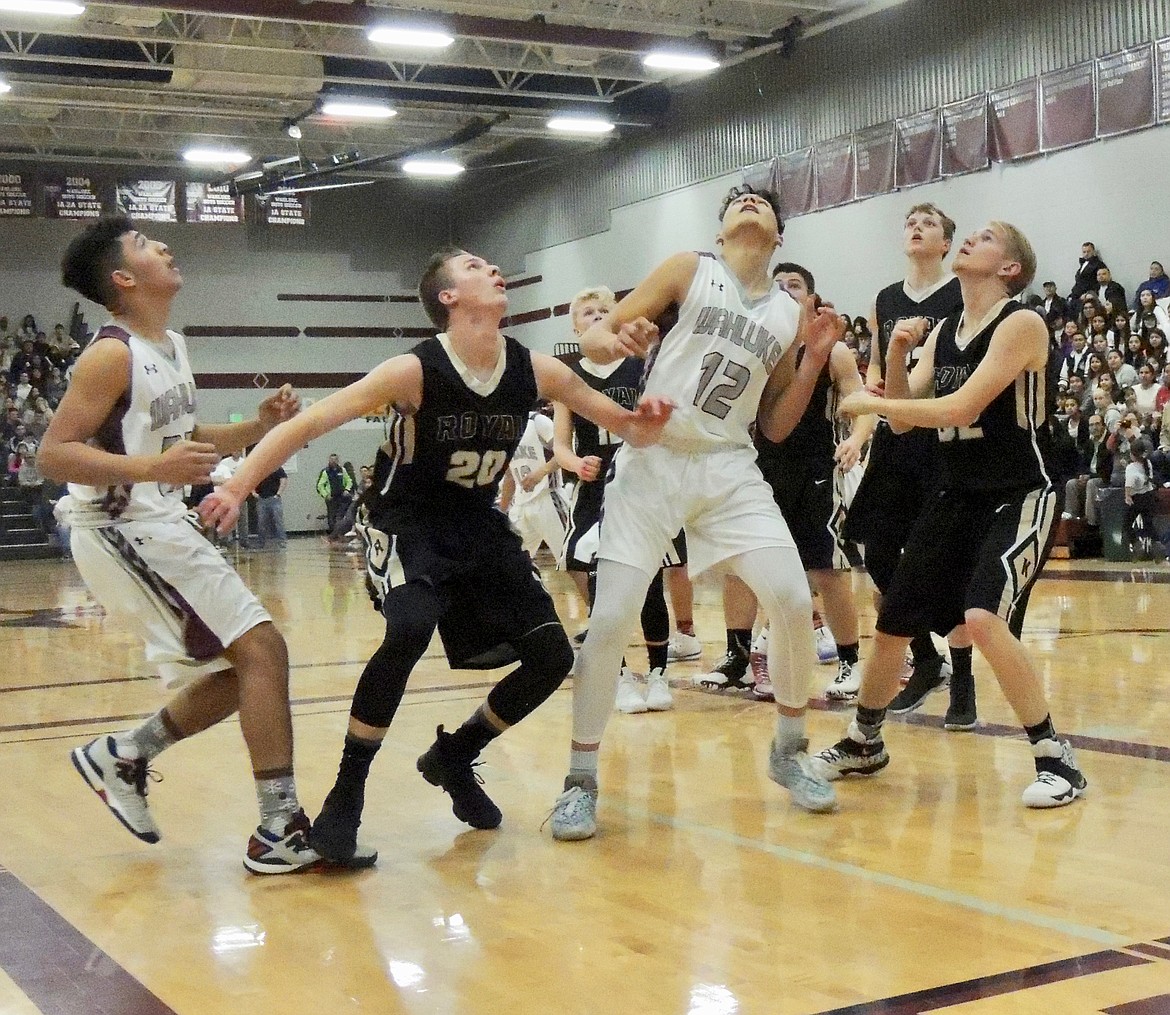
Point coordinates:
[[1145, 399], [1137, 479], [1127, 376]]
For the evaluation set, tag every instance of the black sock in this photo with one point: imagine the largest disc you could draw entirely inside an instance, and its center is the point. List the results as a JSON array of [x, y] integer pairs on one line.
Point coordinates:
[[472, 737], [739, 641], [923, 649], [847, 653], [1041, 731], [657, 654], [356, 756], [961, 666], [870, 720]]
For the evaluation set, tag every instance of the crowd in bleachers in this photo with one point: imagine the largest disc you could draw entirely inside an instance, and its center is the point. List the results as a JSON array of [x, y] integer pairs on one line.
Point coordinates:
[[34, 372]]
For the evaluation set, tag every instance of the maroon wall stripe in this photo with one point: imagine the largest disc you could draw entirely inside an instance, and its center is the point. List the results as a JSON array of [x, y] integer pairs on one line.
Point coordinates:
[[330, 298], [1154, 950], [57, 967], [560, 310], [239, 331], [520, 283], [213, 382], [527, 318], [992, 986], [1159, 1005], [346, 332]]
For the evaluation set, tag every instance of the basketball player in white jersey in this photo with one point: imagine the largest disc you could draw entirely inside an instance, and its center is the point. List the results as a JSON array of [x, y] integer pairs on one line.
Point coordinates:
[[726, 363], [126, 439], [983, 538], [527, 495]]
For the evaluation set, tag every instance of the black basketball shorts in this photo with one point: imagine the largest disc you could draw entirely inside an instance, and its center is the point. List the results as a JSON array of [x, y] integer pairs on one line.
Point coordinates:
[[970, 550]]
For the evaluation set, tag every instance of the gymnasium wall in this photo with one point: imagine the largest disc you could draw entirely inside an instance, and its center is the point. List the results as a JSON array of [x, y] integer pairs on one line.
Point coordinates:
[[912, 57]]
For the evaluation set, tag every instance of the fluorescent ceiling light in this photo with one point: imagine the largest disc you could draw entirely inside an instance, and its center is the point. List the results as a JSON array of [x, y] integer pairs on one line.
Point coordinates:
[[51, 8], [432, 167], [679, 61], [417, 38], [358, 110], [216, 156], [323, 186], [5, 87], [580, 124]]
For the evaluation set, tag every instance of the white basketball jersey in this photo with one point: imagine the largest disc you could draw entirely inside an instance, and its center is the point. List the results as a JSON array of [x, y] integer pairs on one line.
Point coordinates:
[[158, 410], [529, 456], [716, 360]]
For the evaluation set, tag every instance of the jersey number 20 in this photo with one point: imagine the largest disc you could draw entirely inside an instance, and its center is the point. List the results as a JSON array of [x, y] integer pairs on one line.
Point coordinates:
[[718, 400], [470, 469]]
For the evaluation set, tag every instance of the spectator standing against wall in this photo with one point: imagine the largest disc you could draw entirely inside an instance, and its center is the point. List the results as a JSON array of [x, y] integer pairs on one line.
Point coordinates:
[[1085, 279], [270, 510], [333, 486]]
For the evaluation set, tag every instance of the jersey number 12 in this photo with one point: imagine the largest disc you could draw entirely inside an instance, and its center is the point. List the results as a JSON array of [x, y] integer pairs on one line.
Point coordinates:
[[718, 399]]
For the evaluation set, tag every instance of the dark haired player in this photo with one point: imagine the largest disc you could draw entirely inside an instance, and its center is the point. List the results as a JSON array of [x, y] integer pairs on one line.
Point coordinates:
[[126, 440], [902, 468], [438, 552], [982, 540]]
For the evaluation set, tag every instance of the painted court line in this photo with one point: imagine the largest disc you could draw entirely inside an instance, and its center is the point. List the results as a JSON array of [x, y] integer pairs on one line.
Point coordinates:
[[945, 896]]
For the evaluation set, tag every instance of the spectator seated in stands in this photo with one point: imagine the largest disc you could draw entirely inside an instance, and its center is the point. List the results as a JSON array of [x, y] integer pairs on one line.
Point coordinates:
[[28, 329], [1158, 284], [1085, 279], [22, 360], [23, 387], [55, 387], [1141, 495], [1076, 423], [1104, 407], [1125, 375], [1052, 303], [37, 417], [1156, 347], [1083, 394], [1148, 315], [19, 436], [1146, 390], [1109, 293], [1093, 471], [1076, 359]]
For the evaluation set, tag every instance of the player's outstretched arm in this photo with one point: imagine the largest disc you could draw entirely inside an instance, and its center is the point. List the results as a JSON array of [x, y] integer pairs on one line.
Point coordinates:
[[847, 381], [643, 426], [629, 330], [100, 378], [230, 438], [398, 381], [565, 455], [1020, 343], [789, 389]]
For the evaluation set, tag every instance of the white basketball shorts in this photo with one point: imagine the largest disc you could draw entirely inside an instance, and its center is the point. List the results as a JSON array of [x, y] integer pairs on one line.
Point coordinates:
[[718, 497], [169, 585]]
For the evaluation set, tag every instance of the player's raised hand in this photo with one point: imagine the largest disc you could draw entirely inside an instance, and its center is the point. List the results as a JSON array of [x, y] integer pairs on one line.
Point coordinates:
[[589, 469], [220, 509], [910, 332], [635, 338], [185, 463], [277, 408], [649, 417], [531, 481], [824, 330]]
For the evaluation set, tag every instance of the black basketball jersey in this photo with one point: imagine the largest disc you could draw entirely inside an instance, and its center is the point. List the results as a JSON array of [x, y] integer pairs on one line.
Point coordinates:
[[814, 438], [623, 386], [893, 305], [449, 456], [999, 451]]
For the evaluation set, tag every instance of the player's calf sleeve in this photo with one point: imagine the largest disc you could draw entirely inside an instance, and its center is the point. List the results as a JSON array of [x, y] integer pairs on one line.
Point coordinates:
[[655, 618], [545, 660], [412, 612]]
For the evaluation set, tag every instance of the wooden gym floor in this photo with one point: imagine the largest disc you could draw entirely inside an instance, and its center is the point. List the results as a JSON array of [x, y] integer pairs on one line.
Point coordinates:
[[705, 893]]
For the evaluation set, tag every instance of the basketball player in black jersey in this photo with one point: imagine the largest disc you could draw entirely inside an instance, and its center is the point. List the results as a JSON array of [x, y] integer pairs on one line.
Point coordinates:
[[439, 553], [902, 468], [587, 450], [982, 540]]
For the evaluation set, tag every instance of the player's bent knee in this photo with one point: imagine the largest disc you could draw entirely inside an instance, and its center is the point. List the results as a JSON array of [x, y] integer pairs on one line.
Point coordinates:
[[546, 652], [982, 624], [259, 645]]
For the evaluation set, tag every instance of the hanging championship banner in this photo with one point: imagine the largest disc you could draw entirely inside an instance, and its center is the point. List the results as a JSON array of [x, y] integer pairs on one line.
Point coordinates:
[[287, 210], [148, 200], [1015, 121], [1068, 107], [207, 203], [762, 176], [16, 195], [835, 168], [964, 140], [919, 149], [797, 183], [1125, 91], [73, 197], [875, 160], [1163, 51]]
